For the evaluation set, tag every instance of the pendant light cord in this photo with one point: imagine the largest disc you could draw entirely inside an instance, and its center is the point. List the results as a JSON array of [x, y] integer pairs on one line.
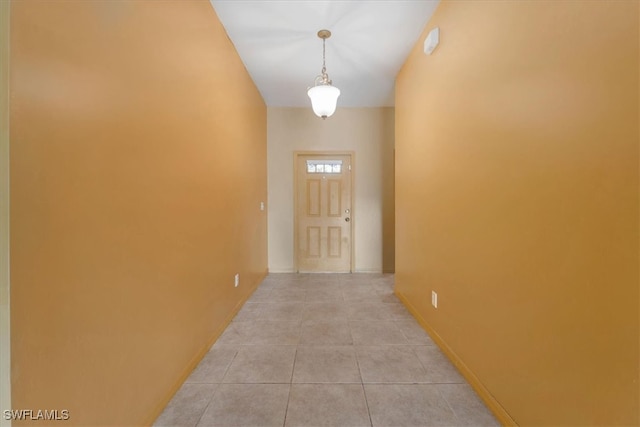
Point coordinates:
[[323, 78], [324, 67]]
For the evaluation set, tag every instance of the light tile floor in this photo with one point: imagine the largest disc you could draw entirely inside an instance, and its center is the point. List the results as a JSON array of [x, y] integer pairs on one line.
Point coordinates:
[[325, 350]]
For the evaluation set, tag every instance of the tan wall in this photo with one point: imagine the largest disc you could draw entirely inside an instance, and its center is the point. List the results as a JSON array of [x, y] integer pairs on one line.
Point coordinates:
[[366, 131], [138, 162], [517, 201], [5, 341]]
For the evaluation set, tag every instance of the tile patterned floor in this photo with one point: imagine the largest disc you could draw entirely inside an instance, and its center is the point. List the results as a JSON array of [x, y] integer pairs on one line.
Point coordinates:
[[325, 350]]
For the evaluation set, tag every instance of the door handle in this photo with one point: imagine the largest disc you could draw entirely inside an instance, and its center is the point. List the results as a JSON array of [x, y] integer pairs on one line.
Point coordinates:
[[347, 219]]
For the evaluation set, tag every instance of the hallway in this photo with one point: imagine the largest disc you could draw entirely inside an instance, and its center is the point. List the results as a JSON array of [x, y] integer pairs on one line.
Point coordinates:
[[325, 349]]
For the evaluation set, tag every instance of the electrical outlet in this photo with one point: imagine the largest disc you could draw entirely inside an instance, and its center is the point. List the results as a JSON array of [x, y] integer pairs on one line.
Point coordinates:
[[434, 299], [236, 280], [261, 206]]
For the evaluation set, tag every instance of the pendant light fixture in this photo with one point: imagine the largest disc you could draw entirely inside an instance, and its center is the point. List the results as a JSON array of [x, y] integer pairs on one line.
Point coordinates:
[[323, 95]]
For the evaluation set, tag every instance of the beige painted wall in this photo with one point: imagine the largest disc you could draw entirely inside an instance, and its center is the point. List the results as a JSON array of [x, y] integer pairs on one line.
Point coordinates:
[[517, 201], [5, 340], [138, 163], [369, 132]]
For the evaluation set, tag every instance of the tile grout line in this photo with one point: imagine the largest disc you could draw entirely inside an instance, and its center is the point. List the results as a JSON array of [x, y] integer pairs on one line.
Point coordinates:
[[293, 369], [455, 414], [220, 383], [366, 401]]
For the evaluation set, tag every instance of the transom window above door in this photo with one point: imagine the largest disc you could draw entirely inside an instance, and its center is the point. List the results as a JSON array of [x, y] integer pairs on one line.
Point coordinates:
[[324, 166]]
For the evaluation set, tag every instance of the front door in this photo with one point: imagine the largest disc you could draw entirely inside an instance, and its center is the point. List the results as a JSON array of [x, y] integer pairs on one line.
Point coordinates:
[[324, 215]]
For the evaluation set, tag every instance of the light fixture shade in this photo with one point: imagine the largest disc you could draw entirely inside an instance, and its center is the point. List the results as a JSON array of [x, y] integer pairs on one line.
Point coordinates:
[[324, 99]]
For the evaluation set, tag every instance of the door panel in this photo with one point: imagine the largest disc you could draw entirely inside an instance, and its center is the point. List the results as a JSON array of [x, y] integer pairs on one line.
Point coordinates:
[[335, 242], [323, 213], [313, 197], [313, 242], [335, 198]]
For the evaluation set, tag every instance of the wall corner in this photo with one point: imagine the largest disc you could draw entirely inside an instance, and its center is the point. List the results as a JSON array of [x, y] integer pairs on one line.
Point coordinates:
[[5, 329]]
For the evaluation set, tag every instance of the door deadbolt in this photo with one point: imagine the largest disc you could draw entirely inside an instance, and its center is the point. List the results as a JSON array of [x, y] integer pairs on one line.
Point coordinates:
[[347, 219]]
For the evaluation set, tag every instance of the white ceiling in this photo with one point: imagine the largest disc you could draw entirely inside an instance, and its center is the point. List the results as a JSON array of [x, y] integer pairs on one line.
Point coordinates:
[[370, 41]]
